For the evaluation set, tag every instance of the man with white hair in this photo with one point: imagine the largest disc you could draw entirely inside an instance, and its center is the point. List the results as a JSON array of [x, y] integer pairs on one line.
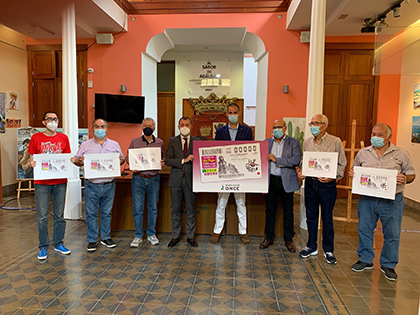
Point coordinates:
[[145, 182], [321, 191], [382, 154]]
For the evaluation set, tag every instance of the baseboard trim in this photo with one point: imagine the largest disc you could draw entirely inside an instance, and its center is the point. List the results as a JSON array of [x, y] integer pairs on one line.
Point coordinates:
[[412, 203]]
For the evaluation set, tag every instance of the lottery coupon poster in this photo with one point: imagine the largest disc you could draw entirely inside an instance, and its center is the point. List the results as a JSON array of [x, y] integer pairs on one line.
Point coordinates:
[[230, 166], [320, 164], [375, 182], [144, 159], [53, 166], [102, 165]]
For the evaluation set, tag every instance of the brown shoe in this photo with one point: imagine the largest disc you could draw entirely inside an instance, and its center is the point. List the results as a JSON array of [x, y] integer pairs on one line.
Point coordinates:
[[290, 247], [192, 242], [245, 239], [266, 243], [214, 238]]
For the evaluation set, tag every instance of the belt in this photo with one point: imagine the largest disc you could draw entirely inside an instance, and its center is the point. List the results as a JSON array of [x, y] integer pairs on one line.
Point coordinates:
[[104, 183], [147, 176]]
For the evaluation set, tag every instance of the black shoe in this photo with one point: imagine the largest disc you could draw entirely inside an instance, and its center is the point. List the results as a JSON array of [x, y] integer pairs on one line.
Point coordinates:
[[192, 242], [361, 266], [91, 247], [108, 243], [389, 273], [173, 242]]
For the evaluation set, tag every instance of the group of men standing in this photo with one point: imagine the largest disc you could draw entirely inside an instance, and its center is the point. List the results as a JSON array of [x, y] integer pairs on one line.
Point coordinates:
[[284, 179]]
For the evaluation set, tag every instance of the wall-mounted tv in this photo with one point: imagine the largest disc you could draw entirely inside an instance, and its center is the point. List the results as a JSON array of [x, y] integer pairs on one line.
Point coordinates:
[[119, 108]]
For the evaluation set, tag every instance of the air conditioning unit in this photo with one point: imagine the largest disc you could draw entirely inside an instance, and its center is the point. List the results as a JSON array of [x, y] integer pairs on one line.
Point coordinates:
[[104, 38]]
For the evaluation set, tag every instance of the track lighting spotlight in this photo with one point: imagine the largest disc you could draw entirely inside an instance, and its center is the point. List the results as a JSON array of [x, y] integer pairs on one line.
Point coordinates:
[[397, 11]]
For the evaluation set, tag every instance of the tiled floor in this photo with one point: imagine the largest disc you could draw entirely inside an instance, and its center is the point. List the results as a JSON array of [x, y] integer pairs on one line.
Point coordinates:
[[227, 278]]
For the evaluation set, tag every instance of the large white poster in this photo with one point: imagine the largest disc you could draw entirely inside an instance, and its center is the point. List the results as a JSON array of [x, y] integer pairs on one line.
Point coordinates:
[[375, 182], [102, 165], [52, 166], [320, 164]]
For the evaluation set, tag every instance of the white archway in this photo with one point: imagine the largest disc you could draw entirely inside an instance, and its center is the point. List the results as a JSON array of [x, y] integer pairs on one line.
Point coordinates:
[[247, 41]]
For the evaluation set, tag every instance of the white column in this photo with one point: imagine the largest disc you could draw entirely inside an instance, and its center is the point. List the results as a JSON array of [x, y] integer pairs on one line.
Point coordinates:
[[73, 207], [315, 93]]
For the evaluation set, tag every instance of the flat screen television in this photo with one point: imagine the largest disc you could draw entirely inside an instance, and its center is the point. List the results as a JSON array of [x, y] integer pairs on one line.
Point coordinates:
[[119, 108]]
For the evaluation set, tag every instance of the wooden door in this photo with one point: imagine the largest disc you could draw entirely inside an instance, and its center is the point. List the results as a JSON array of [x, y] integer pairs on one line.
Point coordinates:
[[349, 93], [166, 116]]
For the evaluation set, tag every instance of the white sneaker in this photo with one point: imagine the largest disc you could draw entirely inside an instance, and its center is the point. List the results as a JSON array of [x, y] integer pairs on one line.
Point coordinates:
[[153, 240], [136, 242]]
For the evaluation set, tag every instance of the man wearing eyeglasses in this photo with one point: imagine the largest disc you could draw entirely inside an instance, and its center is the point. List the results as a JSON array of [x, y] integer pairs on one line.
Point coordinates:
[[321, 191], [50, 141], [283, 158]]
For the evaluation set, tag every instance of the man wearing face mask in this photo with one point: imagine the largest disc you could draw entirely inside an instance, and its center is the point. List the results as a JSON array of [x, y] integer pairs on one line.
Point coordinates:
[[99, 192], [179, 156], [145, 182], [50, 142], [321, 191], [232, 131], [284, 156], [382, 154]]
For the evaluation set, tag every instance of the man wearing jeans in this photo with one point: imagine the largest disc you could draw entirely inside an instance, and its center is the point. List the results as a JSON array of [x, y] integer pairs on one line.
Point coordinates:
[[382, 154], [145, 182], [99, 192], [321, 191], [52, 142]]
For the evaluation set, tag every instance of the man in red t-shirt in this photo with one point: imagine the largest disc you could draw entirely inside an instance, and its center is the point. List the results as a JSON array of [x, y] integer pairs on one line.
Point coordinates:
[[49, 142]]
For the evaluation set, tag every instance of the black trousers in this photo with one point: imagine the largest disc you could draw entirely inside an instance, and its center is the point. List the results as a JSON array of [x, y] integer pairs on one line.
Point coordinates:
[[276, 190]]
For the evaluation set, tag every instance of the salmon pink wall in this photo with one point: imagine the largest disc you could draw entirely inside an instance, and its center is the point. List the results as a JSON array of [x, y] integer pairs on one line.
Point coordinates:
[[388, 102]]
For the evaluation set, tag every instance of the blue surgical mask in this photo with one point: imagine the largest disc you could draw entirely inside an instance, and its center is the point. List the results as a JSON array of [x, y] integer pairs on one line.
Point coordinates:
[[278, 133], [377, 142], [233, 119], [100, 133], [315, 130], [147, 131]]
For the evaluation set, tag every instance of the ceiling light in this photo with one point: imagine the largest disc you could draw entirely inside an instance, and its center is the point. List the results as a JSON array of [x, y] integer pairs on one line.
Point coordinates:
[[397, 11], [382, 24], [368, 27]]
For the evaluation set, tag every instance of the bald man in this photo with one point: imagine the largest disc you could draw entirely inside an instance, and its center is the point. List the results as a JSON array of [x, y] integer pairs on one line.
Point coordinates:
[[284, 156], [321, 191], [382, 154]]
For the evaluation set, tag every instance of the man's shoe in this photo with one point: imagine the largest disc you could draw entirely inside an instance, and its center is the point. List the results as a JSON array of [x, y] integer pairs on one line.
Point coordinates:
[[330, 258], [108, 243], [266, 243], [62, 249], [42, 254], [136, 242], [153, 240], [214, 238], [306, 252], [192, 242], [389, 273], [290, 247], [173, 242], [91, 247], [245, 239], [361, 266]]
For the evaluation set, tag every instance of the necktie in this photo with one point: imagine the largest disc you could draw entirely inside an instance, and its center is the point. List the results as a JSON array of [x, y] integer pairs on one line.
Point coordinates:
[[185, 147]]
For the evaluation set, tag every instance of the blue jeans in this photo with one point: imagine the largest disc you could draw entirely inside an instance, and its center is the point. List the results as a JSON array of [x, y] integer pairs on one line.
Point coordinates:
[[42, 200], [324, 195], [390, 212], [140, 187], [98, 196]]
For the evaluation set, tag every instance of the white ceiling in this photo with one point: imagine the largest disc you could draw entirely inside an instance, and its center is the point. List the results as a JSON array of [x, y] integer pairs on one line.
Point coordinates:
[[357, 11]]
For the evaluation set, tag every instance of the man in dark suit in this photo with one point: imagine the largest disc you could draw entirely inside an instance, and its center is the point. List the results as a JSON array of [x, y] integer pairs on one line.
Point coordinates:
[[179, 156], [284, 155], [233, 131]]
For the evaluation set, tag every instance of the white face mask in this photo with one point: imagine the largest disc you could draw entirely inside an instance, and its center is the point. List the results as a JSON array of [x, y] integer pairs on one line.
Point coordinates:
[[52, 126], [185, 131]]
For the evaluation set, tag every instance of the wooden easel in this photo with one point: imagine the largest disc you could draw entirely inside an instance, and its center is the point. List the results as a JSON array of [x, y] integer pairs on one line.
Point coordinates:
[[347, 219], [19, 189]]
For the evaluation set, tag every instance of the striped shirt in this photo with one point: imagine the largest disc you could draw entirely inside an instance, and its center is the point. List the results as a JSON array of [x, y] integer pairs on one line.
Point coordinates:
[[328, 143]]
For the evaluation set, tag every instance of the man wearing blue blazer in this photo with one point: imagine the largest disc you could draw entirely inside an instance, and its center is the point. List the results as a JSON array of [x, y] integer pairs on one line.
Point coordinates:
[[232, 131], [284, 155]]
